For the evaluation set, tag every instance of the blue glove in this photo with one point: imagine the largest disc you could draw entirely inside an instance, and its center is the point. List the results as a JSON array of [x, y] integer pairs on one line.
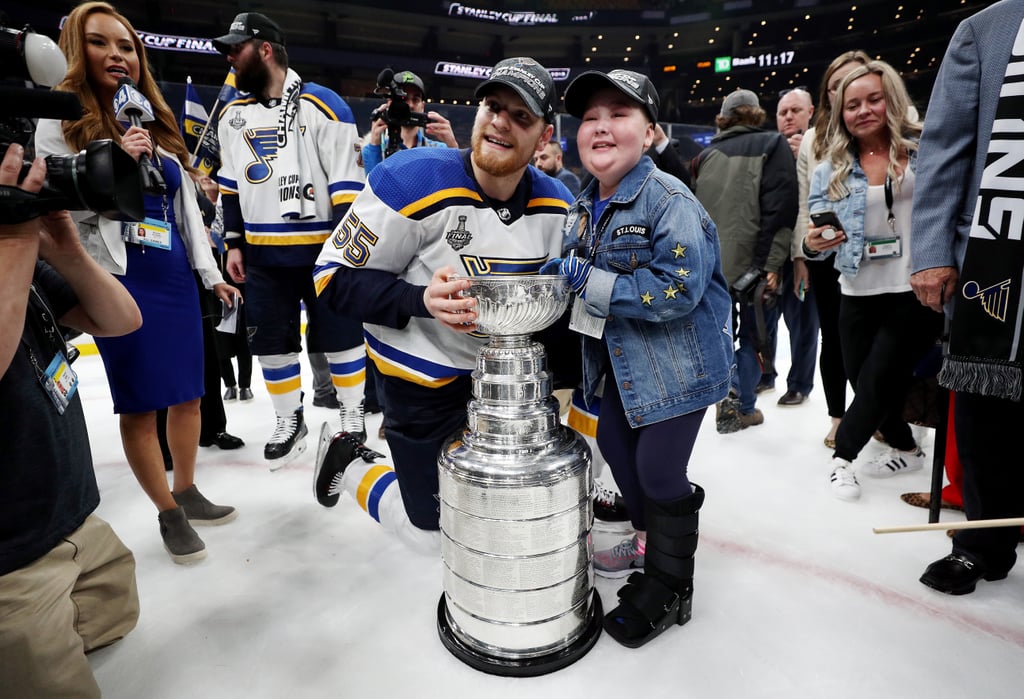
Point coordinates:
[[577, 270], [552, 266]]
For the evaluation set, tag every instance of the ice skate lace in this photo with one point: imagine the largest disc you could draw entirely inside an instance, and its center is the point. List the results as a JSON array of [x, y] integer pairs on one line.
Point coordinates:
[[603, 495], [352, 419], [286, 427]]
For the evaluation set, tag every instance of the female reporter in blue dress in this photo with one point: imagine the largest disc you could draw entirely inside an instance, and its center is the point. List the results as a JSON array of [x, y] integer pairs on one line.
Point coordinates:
[[161, 364]]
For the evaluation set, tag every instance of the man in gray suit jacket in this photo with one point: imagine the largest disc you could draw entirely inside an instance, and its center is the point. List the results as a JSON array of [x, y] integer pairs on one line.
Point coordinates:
[[967, 254]]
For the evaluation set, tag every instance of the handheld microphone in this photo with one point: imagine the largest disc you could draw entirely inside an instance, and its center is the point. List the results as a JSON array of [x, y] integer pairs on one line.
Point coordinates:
[[132, 106]]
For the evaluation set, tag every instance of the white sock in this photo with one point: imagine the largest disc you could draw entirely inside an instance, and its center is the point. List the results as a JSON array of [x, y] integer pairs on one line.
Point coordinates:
[[348, 374], [375, 489], [282, 374]]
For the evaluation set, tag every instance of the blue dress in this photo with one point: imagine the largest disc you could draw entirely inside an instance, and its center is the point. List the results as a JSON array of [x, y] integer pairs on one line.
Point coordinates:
[[161, 363]]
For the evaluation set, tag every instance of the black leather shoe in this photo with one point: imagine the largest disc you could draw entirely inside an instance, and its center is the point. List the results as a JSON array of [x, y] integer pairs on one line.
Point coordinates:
[[222, 440], [326, 402], [245, 394], [957, 575], [792, 398]]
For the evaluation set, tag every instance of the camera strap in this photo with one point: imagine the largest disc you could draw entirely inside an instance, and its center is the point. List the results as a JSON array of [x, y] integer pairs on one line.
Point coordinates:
[[58, 380]]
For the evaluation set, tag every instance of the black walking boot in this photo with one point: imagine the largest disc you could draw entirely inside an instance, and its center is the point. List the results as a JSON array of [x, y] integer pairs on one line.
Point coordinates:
[[662, 595]]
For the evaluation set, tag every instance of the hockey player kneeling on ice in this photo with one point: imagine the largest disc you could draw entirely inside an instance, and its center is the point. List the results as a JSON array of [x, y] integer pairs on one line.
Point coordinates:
[[397, 262]]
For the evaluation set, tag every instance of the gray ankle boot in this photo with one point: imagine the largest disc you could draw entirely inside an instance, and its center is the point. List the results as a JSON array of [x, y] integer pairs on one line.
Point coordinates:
[[201, 511], [180, 540]]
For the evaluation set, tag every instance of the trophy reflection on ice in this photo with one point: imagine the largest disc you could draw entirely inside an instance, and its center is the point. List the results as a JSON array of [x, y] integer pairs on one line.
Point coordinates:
[[515, 492]]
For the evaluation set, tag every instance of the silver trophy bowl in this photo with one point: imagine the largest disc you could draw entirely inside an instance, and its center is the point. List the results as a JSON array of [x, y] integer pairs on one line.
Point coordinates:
[[513, 304]]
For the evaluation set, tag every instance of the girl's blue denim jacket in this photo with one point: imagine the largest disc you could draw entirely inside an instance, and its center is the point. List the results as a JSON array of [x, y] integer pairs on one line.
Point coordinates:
[[850, 210], [658, 281]]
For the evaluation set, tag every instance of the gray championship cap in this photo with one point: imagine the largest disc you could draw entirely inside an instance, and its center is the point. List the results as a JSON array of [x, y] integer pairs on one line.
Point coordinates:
[[739, 98]]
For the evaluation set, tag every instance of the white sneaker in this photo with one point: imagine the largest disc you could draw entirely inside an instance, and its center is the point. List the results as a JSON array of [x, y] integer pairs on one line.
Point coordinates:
[[844, 482], [894, 461]]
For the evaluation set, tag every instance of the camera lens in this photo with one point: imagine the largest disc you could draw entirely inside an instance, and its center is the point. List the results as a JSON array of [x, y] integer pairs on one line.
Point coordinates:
[[102, 178]]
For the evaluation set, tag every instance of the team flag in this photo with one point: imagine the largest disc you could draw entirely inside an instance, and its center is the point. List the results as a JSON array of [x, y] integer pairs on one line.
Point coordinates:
[[199, 127]]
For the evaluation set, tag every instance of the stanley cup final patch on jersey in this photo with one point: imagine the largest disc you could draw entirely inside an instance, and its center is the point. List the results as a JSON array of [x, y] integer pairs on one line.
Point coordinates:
[[632, 229], [459, 237]]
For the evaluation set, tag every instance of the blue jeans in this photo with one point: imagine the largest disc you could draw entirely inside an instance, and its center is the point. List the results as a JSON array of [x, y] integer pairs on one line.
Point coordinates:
[[802, 321], [748, 368]]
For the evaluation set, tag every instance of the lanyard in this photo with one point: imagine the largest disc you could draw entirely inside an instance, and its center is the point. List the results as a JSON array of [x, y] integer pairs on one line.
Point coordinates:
[[891, 218]]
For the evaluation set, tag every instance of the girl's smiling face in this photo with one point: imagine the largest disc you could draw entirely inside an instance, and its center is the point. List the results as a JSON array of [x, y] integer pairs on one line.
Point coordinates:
[[612, 137]]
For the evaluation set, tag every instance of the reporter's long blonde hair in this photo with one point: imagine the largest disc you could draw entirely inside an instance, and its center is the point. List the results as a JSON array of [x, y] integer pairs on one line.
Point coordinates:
[[98, 120]]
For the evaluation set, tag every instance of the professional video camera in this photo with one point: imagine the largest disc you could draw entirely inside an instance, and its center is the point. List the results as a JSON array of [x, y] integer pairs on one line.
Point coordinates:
[[101, 178], [397, 112]]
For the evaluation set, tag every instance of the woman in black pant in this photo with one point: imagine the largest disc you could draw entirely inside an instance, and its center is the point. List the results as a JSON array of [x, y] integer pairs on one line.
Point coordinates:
[[823, 276], [867, 182]]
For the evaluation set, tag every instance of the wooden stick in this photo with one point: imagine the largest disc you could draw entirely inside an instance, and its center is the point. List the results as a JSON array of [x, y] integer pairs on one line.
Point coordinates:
[[970, 524]]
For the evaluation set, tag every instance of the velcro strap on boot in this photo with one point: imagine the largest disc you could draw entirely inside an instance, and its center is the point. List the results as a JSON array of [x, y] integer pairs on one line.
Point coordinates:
[[650, 597]]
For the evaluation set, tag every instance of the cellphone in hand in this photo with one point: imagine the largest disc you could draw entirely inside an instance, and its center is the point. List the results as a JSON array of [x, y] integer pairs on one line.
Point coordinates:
[[827, 218]]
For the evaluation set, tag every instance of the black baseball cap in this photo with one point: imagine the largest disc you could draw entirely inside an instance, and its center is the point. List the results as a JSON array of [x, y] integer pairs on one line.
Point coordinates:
[[636, 86], [407, 78], [531, 81], [249, 25]]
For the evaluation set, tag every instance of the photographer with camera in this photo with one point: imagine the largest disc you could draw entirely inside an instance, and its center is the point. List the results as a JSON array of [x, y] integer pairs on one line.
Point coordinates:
[[67, 583], [401, 115], [161, 365], [746, 180]]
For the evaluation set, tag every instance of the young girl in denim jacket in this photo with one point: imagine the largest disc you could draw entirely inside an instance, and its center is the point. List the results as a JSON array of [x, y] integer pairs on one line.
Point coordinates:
[[653, 308]]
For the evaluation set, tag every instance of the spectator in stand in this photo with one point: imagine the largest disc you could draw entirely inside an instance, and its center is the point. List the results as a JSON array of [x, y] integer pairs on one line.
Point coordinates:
[[822, 276], [549, 161], [966, 252], [792, 117], [867, 181]]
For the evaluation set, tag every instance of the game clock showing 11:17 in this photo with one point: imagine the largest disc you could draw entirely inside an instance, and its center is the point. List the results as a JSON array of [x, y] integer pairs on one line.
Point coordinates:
[[767, 60]]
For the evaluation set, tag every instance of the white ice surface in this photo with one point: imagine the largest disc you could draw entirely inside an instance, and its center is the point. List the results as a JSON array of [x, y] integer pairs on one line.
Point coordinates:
[[794, 594]]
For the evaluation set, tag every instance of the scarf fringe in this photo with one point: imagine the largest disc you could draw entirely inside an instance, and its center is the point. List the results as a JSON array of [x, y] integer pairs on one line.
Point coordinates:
[[986, 378]]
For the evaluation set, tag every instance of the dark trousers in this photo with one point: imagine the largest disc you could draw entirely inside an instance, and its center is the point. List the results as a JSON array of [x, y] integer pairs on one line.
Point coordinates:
[[993, 476], [884, 337], [417, 423], [802, 322], [649, 461], [825, 283]]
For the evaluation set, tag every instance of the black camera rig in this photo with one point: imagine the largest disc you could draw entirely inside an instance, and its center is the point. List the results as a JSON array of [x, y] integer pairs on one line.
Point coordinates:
[[396, 113], [101, 178]]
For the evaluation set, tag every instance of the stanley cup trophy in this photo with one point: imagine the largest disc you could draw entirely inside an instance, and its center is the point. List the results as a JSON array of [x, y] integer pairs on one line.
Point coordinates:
[[516, 500]]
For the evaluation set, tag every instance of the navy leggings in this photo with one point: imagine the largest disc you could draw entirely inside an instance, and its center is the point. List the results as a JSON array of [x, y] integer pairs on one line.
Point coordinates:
[[647, 462]]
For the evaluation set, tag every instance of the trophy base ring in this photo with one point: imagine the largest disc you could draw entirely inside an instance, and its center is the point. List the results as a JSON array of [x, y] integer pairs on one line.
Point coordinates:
[[526, 667]]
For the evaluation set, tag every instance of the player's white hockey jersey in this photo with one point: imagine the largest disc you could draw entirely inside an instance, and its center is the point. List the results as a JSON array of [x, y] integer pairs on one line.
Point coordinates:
[[423, 210]]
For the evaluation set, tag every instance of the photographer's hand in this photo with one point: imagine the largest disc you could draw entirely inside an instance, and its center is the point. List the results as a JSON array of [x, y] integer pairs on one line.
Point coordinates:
[[377, 130], [440, 129], [19, 248]]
